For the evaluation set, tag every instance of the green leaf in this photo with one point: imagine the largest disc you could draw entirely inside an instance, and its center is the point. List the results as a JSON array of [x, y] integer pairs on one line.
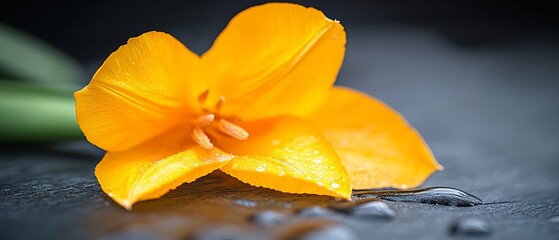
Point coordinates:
[[37, 112], [24, 57]]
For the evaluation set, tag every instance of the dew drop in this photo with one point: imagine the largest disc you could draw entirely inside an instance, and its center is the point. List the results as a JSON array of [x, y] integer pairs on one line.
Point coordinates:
[[246, 203], [268, 218], [318, 160], [335, 185], [314, 211], [260, 168], [365, 208], [432, 195], [470, 226]]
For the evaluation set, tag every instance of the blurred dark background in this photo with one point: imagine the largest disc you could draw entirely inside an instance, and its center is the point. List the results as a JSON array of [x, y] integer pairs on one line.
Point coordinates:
[[90, 30]]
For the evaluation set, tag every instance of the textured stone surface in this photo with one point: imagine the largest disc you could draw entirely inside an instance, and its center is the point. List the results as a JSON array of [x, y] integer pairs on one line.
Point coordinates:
[[489, 113]]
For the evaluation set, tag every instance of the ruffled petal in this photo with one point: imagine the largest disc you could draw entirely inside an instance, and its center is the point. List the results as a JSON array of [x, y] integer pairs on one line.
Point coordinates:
[[289, 155], [377, 146], [274, 59], [151, 169], [142, 89]]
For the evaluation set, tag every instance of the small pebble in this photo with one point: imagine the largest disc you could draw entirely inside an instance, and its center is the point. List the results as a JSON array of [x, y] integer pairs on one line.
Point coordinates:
[[314, 211], [336, 232], [268, 218], [365, 208], [470, 226]]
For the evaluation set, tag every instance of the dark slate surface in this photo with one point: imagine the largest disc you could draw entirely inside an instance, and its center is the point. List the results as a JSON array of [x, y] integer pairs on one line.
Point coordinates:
[[489, 113]]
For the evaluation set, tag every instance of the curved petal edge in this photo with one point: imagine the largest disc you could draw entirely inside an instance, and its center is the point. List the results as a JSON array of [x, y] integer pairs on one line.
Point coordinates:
[[289, 155], [377, 146]]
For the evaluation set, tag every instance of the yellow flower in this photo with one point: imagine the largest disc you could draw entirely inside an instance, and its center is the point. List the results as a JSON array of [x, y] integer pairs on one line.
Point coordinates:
[[259, 105]]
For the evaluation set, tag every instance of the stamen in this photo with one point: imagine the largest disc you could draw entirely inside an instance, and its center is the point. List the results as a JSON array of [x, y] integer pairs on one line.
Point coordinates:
[[219, 103], [232, 130], [200, 137], [203, 96], [205, 120]]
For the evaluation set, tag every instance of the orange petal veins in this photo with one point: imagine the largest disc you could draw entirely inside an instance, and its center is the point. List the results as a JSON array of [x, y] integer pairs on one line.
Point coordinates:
[[289, 155], [274, 59], [153, 168], [140, 91], [377, 146]]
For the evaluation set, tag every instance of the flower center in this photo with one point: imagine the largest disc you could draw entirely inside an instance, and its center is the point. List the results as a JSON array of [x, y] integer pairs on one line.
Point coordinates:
[[213, 120]]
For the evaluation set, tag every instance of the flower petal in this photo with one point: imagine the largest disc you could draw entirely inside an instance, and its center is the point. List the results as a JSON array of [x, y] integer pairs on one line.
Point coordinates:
[[138, 92], [289, 155], [274, 59], [151, 169], [377, 146]]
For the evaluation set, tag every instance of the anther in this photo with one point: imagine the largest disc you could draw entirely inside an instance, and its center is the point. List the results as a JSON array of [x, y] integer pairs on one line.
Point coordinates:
[[200, 137], [203, 96], [232, 130], [205, 120]]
